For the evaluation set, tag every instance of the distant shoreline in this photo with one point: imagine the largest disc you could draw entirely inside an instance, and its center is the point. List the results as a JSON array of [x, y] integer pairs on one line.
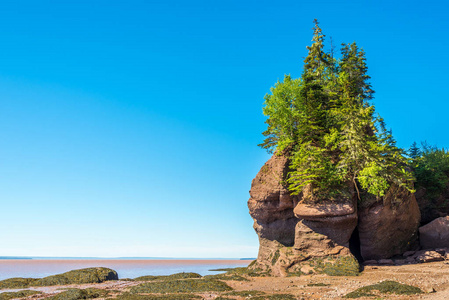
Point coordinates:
[[113, 258]]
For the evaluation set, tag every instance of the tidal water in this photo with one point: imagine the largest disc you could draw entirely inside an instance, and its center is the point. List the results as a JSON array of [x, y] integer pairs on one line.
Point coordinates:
[[128, 268]]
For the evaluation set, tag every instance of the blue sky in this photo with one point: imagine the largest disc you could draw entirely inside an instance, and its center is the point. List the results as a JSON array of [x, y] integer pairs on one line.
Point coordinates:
[[130, 128]]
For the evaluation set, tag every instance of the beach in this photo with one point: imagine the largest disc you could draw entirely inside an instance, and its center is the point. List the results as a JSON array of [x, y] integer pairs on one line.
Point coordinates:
[[431, 278]]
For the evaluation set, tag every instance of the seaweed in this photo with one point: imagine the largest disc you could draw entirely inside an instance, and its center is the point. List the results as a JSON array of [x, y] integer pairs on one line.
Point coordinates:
[[245, 293], [226, 276], [76, 294], [181, 286], [275, 297], [128, 296], [20, 294], [168, 277], [318, 284], [384, 287], [89, 275], [16, 283]]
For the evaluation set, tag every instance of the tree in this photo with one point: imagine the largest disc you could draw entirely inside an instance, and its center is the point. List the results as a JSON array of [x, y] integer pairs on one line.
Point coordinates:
[[325, 123]]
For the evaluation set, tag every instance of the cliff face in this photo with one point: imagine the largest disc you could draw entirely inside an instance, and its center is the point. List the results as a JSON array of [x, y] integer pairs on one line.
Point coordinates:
[[300, 236]]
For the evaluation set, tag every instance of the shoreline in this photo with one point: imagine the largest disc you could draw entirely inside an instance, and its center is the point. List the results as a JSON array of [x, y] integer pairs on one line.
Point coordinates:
[[432, 278], [126, 268]]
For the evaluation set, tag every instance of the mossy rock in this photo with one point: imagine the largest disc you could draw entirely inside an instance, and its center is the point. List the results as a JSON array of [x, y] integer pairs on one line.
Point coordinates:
[[275, 297], [181, 286], [16, 283], [384, 287], [128, 296], [75, 294], [168, 277], [89, 275], [318, 284], [15, 295], [242, 271], [336, 266]]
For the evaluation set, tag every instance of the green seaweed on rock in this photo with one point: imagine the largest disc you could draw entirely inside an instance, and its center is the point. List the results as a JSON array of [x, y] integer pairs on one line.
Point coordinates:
[[19, 294], [16, 283], [384, 287], [89, 275], [78, 294], [182, 275], [181, 286], [128, 296]]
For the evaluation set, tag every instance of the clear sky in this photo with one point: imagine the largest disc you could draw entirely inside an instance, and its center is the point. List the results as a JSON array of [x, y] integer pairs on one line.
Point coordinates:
[[130, 128]]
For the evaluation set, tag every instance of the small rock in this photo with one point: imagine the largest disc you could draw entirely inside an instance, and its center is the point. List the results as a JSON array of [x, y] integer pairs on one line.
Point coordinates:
[[429, 256], [385, 262], [370, 262], [410, 260], [400, 261], [408, 253]]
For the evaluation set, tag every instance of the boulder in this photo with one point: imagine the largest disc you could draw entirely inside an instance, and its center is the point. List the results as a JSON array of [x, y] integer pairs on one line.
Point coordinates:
[[388, 226], [435, 234]]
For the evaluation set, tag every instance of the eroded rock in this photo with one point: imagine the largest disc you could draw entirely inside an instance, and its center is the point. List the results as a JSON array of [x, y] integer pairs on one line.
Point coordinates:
[[435, 234], [389, 226]]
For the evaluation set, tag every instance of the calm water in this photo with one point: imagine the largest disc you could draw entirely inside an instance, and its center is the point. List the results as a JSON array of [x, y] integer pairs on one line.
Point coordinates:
[[125, 268]]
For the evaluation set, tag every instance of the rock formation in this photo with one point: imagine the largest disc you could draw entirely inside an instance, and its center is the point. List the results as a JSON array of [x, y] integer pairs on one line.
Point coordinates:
[[389, 226], [435, 234], [296, 237], [298, 234], [432, 207]]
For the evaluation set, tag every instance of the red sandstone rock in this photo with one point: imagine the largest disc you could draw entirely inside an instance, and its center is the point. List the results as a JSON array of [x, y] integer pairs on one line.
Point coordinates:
[[428, 256], [389, 226], [435, 234], [317, 230]]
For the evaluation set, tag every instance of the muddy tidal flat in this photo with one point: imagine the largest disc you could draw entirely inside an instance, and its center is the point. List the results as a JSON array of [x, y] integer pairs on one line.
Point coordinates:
[[129, 268], [432, 279]]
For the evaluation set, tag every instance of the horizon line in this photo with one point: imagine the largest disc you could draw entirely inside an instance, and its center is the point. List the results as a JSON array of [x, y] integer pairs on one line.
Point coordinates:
[[126, 257]]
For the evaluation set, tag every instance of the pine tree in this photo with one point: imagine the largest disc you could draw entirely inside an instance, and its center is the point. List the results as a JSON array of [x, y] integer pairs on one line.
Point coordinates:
[[325, 123]]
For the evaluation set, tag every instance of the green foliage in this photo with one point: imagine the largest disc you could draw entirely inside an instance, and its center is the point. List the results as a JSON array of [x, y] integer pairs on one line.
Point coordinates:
[[324, 122], [19, 294], [181, 286], [384, 287], [431, 168]]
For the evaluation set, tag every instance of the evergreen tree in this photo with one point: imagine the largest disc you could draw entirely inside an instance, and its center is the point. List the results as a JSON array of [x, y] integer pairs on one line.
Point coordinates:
[[325, 123]]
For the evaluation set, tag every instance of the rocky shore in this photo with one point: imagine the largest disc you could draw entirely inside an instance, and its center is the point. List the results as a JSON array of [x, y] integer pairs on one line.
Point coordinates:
[[406, 281]]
